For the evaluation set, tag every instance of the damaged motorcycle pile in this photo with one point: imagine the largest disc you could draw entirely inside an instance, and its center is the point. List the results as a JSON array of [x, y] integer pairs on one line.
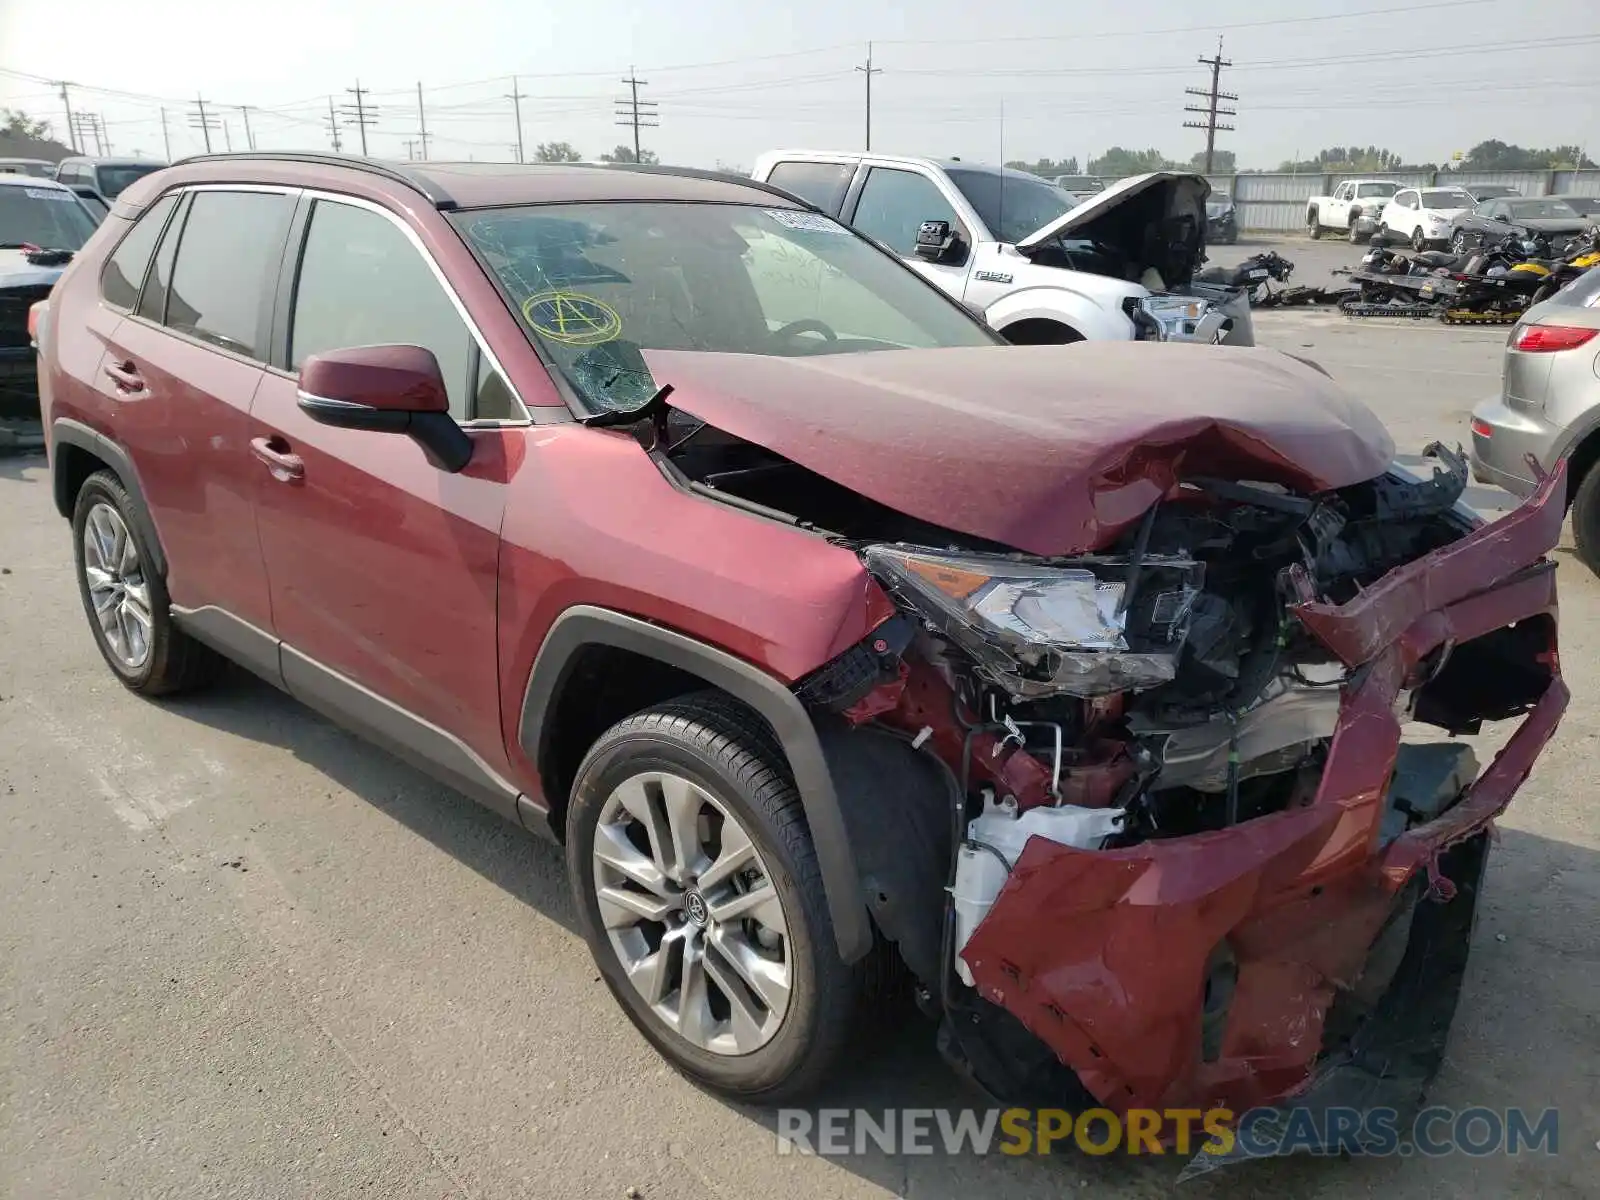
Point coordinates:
[[1255, 275]]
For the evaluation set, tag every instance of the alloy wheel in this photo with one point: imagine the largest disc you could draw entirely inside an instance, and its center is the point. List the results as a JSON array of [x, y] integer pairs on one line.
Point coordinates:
[[118, 589], [691, 912]]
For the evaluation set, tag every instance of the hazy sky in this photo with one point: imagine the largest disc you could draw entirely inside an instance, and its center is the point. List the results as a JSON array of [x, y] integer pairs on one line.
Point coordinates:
[[1001, 78]]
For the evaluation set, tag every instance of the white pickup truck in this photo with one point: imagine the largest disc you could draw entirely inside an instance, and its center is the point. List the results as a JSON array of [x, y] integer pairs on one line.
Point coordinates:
[[1352, 210], [1039, 266]]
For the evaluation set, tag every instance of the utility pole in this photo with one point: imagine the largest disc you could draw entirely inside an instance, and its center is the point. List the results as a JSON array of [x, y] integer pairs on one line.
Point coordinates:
[[516, 98], [203, 121], [411, 147], [639, 113], [360, 114], [166, 138], [101, 136], [66, 103], [333, 125], [227, 136], [86, 125], [869, 71], [422, 121], [249, 137], [1210, 109]]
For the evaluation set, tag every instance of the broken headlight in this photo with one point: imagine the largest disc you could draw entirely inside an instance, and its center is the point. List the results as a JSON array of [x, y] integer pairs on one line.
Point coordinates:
[[1038, 630], [1177, 319]]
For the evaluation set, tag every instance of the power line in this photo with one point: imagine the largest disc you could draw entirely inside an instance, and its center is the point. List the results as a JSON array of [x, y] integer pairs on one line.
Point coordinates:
[[636, 112], [515, 96], [360, 114], [1210, 109], [869, 71], [202, 120]]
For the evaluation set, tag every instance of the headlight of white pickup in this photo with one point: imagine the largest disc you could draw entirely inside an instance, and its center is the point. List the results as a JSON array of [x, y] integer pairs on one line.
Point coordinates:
[[1037, 629]]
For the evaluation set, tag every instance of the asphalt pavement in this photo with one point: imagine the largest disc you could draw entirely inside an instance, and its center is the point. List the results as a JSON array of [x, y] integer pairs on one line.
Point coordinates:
[[244, 954]]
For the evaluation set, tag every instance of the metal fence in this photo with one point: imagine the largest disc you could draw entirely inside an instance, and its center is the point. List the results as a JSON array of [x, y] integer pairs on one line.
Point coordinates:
[[1277, 202]]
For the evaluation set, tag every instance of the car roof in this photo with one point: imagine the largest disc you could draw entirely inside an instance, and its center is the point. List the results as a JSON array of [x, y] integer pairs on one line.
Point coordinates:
[[96, 160], [773, 157], [33, 181], [466, 185]]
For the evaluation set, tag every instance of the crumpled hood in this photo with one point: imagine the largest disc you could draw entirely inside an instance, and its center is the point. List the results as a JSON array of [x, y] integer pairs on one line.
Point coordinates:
[[17, 271], [1048, 449]]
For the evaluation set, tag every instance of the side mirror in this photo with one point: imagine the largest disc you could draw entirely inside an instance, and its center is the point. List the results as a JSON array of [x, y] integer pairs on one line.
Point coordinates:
[[386, 389], [937, 242]]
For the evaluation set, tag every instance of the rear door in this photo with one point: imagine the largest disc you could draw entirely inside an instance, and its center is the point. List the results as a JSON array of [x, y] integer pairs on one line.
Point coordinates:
[[384, 568], [181, 371]]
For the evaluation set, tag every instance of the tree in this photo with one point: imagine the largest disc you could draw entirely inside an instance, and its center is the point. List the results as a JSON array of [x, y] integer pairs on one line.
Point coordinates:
[[556, 152], [1118, 163], [14, 123], [624, 154], [1495, 155], [1223, 162], [1046, 167]]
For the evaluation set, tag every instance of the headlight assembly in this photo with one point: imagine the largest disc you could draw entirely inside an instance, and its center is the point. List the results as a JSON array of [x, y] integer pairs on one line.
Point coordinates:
[[1038, 629]]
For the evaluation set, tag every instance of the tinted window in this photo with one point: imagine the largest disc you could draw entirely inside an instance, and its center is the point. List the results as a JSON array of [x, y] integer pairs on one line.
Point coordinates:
[[1012, 205], [823, 184], [112, 180], [96, 206], [227, 263], [1536, 210], [1376, 189], [1446, 198], [362, 283], [895, 203], [43, 216], [153, 303], [124, 273], [1586, 206]]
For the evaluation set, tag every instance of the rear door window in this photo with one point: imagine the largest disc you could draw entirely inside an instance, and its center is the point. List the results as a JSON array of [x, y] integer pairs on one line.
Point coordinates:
[[823, 184], [363, 283], [228, 261], [125, 270]]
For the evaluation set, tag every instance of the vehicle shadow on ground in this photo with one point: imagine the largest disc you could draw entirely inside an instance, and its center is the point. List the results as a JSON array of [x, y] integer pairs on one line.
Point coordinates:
[[1534, 941], [523, 865]]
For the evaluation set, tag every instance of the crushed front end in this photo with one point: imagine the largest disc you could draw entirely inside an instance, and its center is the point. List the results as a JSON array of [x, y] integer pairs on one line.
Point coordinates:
[[1216, 874]]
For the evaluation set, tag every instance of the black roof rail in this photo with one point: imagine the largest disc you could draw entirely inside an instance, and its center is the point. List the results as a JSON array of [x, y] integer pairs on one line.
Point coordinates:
[[760, 185], [418, 182]]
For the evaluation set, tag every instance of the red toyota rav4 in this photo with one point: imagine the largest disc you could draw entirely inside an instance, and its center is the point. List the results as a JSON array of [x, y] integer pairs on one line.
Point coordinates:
[[671, 519]]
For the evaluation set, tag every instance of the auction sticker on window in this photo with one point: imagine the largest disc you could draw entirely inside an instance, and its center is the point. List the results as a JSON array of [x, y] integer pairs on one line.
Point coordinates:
[[792, 218], [47, 194]]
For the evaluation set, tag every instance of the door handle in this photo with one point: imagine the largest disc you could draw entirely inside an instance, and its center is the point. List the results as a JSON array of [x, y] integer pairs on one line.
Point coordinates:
[[274, 451], [127, 378]]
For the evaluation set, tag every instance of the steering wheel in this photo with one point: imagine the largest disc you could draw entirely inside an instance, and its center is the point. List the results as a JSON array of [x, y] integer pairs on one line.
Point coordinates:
[[804, 325]]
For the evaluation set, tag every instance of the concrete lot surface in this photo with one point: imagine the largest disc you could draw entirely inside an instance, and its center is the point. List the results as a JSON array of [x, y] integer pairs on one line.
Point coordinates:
[[244, 954]]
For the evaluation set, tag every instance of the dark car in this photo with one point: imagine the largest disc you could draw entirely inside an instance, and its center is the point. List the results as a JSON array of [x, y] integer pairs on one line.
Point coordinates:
[[1489, 191], [41, 225], [1222, 219], [1587, 207], [1549, 217], [99, 181], [674, 520]]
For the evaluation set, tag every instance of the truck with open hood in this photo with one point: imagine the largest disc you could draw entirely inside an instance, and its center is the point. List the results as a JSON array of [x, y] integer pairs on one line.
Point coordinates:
[[1039, 265]]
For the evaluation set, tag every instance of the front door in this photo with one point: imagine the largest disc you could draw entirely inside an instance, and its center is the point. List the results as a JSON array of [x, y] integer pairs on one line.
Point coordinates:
[[383, 567], [893, 205]]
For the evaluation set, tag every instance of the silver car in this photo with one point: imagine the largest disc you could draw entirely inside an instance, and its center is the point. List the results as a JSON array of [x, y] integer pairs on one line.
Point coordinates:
[[1549, 406]]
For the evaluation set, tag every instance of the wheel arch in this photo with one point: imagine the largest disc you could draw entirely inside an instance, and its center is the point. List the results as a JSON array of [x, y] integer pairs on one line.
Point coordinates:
[[579, 630], [77, 452], [1040, 331]]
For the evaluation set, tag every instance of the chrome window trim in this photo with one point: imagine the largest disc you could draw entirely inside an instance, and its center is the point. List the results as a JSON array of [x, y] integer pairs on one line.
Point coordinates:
[[443, 281]]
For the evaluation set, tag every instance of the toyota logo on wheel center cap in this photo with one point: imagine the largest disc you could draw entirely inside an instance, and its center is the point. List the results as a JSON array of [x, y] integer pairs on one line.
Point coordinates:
[[694, 908]]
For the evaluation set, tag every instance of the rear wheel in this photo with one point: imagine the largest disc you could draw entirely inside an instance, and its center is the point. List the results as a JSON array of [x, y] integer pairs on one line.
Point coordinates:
[[699, 893], [1586, 519], [1458, 242], [1313, 224], [126, 599]]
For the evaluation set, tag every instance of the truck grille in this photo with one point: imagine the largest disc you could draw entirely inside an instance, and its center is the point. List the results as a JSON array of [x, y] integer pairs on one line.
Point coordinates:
[[14, 305]]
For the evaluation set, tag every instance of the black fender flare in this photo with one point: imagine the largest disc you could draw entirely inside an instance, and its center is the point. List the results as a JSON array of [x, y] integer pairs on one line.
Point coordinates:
[[64, 431], [588, 625]]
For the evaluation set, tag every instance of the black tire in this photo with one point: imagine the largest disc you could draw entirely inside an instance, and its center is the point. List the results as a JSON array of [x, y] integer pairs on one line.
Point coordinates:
[[1586, 519], [1458, 242], [175, 662], [1313, 224], [1354, 230], [1419, 243], [731, 753]]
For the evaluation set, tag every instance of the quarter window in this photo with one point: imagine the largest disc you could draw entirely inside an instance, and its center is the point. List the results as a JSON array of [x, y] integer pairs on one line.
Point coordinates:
[[894, 204], [362, 283], [125, 271], [228, 259]]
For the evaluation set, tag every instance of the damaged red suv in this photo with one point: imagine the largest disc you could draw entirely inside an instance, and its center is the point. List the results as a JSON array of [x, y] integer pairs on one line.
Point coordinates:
[[673, 520]]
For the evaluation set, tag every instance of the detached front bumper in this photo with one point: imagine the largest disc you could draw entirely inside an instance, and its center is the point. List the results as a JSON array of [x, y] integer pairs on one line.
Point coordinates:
[[1105, 956]]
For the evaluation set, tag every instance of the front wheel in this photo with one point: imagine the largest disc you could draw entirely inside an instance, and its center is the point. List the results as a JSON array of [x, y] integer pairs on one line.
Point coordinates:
[[1354, 232], [1313, 225], [699, 892], [1586, 520], [1458, 242]]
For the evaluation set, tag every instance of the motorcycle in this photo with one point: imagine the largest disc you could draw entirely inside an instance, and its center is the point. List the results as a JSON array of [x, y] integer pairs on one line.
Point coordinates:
[[1254, 276], [1579, 255], [1498, 284]]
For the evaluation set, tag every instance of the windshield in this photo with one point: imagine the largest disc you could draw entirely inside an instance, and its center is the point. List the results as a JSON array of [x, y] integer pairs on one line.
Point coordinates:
[[43, 216], [23, 166], [596, 284], [1534, 210], [1446, 198], [1376, 189], [1012, 205], [1584, 206], [112, 180]]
